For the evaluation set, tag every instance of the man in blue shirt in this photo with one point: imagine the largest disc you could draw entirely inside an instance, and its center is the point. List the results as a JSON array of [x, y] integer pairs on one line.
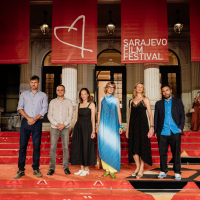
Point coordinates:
[[32, 106], [169, 120]]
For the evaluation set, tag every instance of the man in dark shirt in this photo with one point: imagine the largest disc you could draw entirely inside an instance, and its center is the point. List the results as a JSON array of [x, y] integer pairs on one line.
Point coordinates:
[[169, 120]]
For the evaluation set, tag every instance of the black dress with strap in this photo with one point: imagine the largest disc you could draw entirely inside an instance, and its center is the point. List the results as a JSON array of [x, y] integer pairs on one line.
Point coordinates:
[[83, 147], [139, 143]]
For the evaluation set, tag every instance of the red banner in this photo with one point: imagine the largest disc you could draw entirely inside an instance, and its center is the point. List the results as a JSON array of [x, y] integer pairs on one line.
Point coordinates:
[[14, 34], [144, 31], [74, 27], [194, 30]]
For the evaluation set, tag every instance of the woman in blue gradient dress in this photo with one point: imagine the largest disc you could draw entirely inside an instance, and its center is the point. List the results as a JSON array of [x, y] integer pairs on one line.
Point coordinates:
[[109, 129]]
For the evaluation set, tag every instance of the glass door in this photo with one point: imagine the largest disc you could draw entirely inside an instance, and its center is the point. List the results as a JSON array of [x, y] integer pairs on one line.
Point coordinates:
[[51, 78], [118, 91], [171, 75]]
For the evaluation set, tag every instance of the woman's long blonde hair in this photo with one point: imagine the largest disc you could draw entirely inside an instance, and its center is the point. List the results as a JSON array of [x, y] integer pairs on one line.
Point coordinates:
[[134, 91]]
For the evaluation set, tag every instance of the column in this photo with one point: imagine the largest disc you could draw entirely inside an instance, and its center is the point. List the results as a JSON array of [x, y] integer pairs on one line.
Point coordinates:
[[26, 73], [134, 74], [82, 76], [69, 80], [152, 83]]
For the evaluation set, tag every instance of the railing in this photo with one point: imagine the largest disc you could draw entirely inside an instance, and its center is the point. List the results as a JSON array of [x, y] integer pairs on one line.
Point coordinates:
[[8, 123]]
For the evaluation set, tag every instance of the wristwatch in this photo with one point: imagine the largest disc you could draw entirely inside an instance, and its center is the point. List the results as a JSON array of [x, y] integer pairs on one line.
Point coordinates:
[[35, 119]]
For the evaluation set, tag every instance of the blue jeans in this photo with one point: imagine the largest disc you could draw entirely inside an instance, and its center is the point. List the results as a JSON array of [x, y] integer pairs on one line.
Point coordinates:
[[25, 132]]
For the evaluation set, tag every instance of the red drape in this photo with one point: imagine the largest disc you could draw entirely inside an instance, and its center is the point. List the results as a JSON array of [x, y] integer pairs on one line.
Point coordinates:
[[195, 30], [74, 32], [14, 33], [144, 31]]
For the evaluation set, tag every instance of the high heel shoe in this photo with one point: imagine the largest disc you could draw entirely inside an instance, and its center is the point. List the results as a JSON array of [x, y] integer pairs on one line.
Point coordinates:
[[134, 174], [84, 173], [140, 176]]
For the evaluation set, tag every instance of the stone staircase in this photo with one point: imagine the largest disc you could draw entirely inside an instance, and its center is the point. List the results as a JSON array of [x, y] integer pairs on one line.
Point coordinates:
[[9, 148]]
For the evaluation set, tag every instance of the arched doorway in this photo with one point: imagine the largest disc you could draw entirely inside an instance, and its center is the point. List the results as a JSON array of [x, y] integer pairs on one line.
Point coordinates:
[[170, 74], [110, 68]]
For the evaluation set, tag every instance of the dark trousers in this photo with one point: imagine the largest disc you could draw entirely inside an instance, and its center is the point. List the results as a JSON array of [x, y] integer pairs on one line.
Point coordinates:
[[175, 143], [25, 132]]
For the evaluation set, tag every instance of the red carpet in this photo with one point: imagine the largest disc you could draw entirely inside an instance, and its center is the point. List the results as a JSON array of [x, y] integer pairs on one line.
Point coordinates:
[[94, 186]]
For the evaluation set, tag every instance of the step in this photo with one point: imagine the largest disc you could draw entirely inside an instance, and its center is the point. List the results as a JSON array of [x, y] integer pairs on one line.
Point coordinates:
[[124, 152], [47, 145], [155, 159], [123, 140], [30, 145], [29, 152], [43, 139], [59, 159], [183, 139], [155, 152], [17, 134], [186, 134], [47, 133], [184, 145]]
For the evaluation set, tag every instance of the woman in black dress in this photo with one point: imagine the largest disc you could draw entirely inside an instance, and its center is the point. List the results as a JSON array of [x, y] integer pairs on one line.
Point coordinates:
[[138, 131], [83, 143]]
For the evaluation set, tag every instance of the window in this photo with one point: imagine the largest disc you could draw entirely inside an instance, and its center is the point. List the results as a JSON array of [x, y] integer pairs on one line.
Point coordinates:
[[9, 91], [118, 82]]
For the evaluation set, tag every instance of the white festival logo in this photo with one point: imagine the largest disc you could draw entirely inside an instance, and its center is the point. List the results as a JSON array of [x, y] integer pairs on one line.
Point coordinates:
[[134, 49], [69, 29]]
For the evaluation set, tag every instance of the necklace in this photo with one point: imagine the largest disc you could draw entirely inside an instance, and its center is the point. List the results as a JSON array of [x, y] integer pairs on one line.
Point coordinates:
[[138, 97]]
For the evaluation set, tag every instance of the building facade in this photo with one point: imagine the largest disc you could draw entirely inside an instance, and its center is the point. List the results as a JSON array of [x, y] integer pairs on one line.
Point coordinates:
[[180, 73]]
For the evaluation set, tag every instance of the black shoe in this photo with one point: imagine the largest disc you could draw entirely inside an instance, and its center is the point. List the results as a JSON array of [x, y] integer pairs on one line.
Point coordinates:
[[67, 171], [19, 174], [51, 172]]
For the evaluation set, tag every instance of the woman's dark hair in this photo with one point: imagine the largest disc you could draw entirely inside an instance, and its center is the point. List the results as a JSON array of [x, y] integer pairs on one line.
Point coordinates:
[[165, 85], [34, 77], [88, 99]]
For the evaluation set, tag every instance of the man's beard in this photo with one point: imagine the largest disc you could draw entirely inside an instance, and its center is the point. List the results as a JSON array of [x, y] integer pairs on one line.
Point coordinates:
[[167, 97]]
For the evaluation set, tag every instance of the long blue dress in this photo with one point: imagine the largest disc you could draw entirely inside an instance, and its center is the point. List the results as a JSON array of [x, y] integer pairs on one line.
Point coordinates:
[[108, 134]]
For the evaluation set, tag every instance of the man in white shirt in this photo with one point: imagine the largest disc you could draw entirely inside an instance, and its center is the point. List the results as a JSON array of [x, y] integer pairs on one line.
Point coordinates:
[[60, 114]]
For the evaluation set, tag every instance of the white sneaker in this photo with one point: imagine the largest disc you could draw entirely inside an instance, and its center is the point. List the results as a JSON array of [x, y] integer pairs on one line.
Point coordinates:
[[84, 173], [162, 175], [177, 177], [79, 172]]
